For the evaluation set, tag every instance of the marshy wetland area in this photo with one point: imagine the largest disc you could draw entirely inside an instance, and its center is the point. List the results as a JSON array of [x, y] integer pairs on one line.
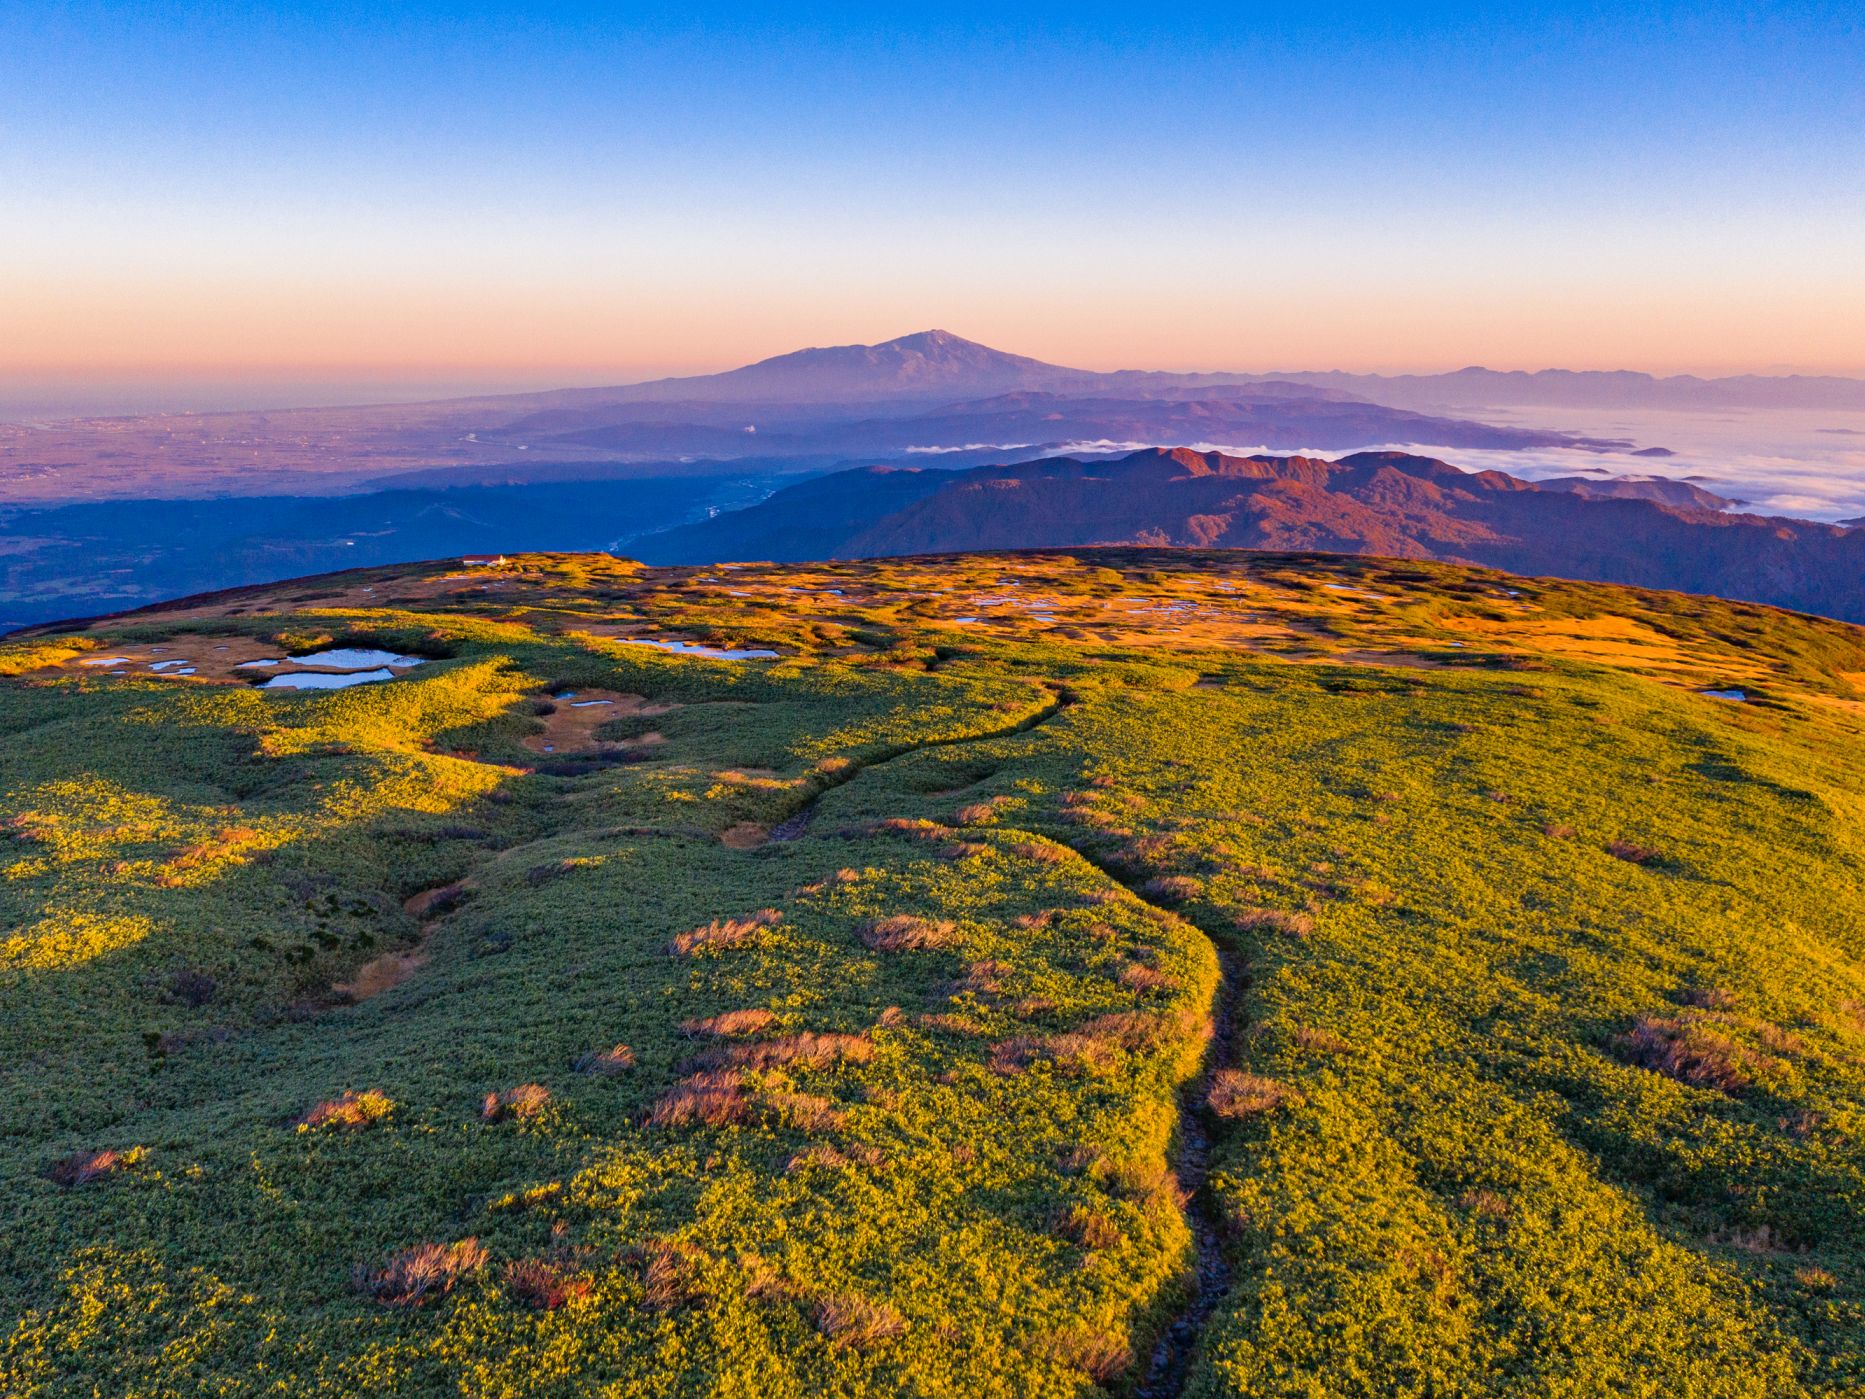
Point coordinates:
[[1143, 972]]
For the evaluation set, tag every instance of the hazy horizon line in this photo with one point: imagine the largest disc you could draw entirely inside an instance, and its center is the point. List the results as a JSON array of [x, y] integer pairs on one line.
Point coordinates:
[[134, 390]]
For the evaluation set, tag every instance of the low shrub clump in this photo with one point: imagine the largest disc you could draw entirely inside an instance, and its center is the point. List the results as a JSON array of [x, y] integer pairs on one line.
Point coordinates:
[[1089, 1048], [1274, 920], [1039, 852], [1100, 1355], [1320, 1041], [1172, 888], [978, 813], [1137, 977], [1631, 852], [670, 1275], [731, 1097], [712, 1099], [982, 978], [1087, 1228]]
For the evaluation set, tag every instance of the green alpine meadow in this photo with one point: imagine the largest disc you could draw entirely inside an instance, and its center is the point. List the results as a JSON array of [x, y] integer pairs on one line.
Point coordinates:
[[1119, 971]]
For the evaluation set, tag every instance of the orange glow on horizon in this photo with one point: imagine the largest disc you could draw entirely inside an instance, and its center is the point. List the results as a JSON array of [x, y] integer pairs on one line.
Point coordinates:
[[612, 336]]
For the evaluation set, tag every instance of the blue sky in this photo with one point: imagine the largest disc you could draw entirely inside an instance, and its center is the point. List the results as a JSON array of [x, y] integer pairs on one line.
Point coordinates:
[[588, 190]]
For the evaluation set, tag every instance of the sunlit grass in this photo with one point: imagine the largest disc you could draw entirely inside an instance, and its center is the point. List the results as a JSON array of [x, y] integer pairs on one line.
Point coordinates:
[[1540, 1049]]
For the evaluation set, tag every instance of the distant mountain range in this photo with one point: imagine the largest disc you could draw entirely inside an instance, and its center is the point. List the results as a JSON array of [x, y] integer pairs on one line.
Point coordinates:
[[938, 365], [1648, 533], [932, 394], [1036, 454], [1013, 424], [936, 393], [1477, 387]]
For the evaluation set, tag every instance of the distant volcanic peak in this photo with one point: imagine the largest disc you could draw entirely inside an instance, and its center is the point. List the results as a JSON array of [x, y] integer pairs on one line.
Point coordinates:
[[936, 342], [933, 356]]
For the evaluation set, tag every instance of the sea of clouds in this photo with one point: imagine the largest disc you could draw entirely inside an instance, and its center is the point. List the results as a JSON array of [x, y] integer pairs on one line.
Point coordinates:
[[1772, 461]]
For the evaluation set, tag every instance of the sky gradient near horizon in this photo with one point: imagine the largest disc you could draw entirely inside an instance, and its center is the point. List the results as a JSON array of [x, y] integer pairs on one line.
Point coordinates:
[[522, 195]]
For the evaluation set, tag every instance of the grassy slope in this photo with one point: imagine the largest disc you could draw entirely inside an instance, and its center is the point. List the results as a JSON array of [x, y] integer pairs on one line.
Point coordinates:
[[1453, 1179]]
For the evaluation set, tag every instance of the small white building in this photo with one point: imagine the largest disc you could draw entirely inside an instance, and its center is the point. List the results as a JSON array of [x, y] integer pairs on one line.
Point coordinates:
[[484, 560]]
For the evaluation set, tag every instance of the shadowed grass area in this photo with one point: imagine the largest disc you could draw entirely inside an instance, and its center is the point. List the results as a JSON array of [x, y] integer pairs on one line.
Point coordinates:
[[838, 1024]]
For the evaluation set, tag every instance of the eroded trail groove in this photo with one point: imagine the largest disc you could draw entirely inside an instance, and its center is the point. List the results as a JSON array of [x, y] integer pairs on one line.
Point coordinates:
[[796, 822], [1168, 1367], [1170, 1364]]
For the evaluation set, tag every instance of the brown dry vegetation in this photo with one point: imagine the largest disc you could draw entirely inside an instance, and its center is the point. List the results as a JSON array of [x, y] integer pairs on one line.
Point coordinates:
[[730, 1024], [617, 1059], [808, 1050], [349, 1111], [1275, 920], [1234, 1093], [858, 1323], [527, 1100], [904, 932], [83, 1167], [1693, 1050], [725, 933], [712, 1099], [424, 1271], [1101, 1356], [546, 1283]]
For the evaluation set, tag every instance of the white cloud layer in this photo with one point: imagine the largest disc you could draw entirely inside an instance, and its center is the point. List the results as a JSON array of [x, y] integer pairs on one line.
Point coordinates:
[[1808, 465]]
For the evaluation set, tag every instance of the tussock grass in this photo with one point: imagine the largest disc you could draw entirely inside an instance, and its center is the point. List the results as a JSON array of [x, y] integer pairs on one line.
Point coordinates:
[[349, 1111], [83, 1167], [808, 1050], [1693, 1051], [546, 1283], [731, 1024], [905, 932], [723, 934], [527, 1100], [715, 1098], [421, 1273], [1234, 1093], [616, 1059], [858, 1323]]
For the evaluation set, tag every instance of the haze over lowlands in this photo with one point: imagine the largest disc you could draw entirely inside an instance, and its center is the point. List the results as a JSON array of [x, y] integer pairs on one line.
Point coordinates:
[[931, 701]]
